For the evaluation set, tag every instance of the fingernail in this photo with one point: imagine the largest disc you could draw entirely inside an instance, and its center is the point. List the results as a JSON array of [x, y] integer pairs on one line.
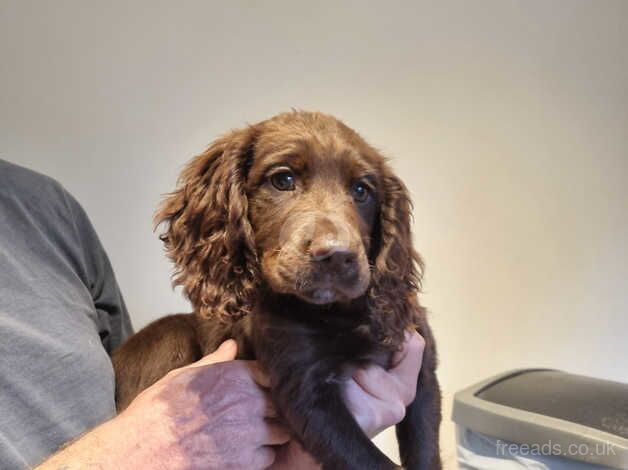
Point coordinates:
[[228, 345]]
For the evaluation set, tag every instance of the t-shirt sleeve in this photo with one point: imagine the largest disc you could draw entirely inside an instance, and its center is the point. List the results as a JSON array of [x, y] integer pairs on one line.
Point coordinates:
[[114, 323]]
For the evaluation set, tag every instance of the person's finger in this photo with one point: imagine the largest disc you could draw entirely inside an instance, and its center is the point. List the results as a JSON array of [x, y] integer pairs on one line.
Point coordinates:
[[260, 404], [413, 345], [374, 414], [388, 414], [375, 381], [360, 403], [227, 351], [270, 411], [406, 369], [263, 457], [400, 381], [272, 434], [292, 456], [260, 377]]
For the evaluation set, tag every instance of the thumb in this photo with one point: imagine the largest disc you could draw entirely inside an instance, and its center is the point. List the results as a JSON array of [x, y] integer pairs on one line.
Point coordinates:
[[226, 352]]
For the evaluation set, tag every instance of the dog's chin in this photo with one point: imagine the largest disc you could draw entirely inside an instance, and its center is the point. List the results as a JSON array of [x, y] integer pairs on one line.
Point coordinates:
[[328, 294], [322, 296]]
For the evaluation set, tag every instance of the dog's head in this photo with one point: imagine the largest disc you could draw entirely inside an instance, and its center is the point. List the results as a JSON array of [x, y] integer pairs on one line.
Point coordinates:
[[299, 203]]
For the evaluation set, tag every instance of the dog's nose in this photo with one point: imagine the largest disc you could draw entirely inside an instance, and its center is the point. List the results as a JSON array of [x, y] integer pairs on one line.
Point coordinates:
[[334, 255]]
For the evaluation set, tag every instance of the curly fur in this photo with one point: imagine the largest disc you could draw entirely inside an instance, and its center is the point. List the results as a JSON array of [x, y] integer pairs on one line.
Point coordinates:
[[219, 228], [211, 242], [208, 236]]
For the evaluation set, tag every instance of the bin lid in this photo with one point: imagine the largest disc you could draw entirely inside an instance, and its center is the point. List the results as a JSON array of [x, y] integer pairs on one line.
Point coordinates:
[[577, 417]]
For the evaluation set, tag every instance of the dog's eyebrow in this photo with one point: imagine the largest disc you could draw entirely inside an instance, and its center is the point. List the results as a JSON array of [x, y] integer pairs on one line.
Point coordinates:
[[361, 169], [294, 160], [370, 179], [287, 157]]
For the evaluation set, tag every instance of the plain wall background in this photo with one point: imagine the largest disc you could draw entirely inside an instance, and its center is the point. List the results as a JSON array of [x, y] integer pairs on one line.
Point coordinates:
[[507, 119]]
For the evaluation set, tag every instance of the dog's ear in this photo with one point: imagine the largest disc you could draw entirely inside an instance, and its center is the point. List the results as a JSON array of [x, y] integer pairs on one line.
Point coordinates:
[[207, 233], [397, 267]]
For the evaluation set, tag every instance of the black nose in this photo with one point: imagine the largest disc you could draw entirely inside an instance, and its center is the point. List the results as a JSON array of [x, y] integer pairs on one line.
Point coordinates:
[[334, 257]]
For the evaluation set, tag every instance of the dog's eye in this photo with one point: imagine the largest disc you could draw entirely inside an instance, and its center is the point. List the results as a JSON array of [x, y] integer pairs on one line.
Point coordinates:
[[283, 181], [360, 192]]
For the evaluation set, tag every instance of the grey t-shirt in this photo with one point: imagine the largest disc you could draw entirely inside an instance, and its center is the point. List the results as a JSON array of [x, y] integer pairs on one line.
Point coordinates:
[[61, 314]]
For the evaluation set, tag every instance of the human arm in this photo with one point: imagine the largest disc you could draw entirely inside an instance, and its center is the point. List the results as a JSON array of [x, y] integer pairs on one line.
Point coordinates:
[[211, 414], [165, 425], [94, 268]]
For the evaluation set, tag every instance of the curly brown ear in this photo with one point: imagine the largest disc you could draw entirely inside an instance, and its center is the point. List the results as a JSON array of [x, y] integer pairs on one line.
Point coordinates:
[[397, 267], [207, 232]]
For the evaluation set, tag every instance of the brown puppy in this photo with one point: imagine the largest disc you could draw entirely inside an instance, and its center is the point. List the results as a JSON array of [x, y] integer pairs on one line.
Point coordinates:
[[293, 237]]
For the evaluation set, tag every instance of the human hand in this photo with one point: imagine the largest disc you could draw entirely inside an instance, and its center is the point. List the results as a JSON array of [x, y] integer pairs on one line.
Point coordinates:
[[214, 414], [211, 414], [376, 397]]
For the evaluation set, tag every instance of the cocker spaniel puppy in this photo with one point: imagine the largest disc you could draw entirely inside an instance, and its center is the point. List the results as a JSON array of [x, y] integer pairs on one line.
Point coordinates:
[[292, 236]]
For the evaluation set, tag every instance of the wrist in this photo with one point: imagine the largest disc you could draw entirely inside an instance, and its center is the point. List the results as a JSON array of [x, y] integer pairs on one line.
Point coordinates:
[[114, 445], [139, 443]]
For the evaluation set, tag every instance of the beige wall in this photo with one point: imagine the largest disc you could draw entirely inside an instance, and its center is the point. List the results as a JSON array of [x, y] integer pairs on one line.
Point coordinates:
[[507, 119]]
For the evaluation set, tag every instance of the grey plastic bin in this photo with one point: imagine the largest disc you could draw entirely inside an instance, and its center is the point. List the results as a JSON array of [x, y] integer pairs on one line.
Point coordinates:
[[542, 419]]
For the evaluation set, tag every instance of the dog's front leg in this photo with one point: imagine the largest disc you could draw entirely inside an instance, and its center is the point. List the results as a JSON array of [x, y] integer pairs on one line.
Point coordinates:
[[418, 432], [311, 403]]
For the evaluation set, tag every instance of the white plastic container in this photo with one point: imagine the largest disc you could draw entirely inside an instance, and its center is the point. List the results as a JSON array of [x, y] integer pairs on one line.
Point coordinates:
[[543, 420]]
